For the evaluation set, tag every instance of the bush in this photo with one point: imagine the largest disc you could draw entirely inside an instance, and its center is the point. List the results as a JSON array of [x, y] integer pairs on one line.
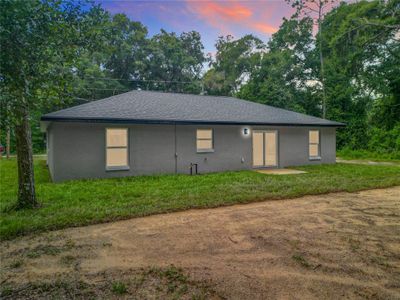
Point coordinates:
[[347, 153], [385, 142], [382, 145]]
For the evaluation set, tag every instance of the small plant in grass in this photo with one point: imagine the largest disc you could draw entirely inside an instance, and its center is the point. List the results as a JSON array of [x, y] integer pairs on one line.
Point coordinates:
[[380, 260], [202, 295], [119, 288], [70, 244], [67, 260], [354, 244], [301, 260], [175, 274], [6, 291], [176, 281], [172, 286], [17, 264], [43, 250]]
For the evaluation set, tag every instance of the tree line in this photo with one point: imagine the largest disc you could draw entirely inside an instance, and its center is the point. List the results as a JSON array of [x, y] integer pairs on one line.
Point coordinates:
[[342, 65]]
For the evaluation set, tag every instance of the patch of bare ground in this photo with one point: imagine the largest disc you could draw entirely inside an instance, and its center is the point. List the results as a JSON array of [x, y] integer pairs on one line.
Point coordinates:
[[143, 283], [342, 245]]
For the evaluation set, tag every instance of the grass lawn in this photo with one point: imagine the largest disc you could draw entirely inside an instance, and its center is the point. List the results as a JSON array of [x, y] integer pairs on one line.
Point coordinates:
[[85, 202]]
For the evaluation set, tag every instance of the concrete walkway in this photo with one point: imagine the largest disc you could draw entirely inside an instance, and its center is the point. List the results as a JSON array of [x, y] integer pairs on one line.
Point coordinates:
[[366, 162], [280, 171]]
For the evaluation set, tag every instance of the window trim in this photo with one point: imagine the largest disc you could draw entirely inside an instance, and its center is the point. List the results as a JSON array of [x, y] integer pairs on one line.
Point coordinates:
[[318, 157], [210, 150], [116, 168]]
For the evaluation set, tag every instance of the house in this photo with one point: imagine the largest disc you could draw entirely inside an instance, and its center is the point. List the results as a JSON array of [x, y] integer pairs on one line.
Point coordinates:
[[143, 132]]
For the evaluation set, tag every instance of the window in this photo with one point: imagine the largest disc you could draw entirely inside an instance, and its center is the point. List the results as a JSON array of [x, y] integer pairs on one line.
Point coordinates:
[[313, 144], [116, 148], [204, 140]]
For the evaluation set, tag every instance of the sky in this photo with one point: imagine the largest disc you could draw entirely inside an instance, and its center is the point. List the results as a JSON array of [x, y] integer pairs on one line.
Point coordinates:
[[212, 18]]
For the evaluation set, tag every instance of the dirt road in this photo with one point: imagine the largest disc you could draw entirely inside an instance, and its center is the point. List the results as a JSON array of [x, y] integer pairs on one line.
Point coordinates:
[[342, 245]]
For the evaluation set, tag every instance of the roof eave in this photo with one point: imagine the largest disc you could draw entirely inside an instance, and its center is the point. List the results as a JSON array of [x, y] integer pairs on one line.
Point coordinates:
[[182, 122]]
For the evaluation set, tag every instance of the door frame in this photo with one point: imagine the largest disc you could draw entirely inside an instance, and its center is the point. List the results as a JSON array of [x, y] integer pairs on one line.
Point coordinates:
[[263, 131]]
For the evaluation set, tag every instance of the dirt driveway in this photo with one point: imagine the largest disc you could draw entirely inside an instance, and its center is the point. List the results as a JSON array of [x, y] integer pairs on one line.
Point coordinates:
[[342, 245]]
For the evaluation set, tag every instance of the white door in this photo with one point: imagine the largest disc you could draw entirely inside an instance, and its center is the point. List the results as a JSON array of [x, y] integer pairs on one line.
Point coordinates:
[[265, 148]]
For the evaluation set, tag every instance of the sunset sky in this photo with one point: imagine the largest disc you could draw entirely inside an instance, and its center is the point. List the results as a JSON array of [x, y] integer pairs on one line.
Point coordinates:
[[211, 18]]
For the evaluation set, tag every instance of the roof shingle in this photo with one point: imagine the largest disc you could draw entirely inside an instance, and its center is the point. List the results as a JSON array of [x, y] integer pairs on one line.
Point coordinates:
[[171, 108]]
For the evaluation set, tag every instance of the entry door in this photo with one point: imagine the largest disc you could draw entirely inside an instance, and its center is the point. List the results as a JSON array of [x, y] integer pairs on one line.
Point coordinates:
[[265, 148]]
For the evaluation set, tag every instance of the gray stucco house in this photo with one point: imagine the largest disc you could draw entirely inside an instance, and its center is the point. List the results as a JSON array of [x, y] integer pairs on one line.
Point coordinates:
[[142, 132]]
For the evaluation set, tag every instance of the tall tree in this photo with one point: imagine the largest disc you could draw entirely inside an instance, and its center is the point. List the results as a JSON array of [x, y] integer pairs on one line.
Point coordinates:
[[126, 49], [39, 39], [284, 77], [234, 62], [362, 61], [316, 9], [174, 62]]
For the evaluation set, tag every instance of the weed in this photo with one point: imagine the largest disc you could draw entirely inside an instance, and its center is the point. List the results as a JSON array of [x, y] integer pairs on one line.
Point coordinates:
[[6, 291], [16, 264], [301, 260], [43, 250], [354, 244], [200, 295], [171, 287], [69, 244], [119, 288], [174, 274], [67, 260], [380, 260]]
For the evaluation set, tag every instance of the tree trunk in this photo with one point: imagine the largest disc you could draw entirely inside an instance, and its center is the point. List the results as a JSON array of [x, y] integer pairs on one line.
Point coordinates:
[[26, 183], [8, 148], [321, 59]]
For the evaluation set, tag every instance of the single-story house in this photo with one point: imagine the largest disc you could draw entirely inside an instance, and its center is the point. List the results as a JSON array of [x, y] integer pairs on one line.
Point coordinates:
[[142, 132]]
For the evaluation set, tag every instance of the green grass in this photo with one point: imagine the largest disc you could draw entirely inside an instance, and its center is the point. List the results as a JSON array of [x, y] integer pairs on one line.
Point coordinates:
[[349, 154], [301, 260], [83, 202], [119, 288]]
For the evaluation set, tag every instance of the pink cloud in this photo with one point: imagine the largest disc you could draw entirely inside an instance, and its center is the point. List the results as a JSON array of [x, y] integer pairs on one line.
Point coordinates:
[[232, 16], [225, 10], [264, 28]]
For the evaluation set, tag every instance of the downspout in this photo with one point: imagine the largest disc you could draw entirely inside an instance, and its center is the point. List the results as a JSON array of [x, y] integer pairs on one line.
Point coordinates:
[[176, 153]]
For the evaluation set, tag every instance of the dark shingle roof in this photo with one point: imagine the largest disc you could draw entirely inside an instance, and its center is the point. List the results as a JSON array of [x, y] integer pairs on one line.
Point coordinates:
[[158, 107]]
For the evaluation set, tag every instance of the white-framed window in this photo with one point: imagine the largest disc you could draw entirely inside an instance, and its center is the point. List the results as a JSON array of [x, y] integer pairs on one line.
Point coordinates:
[[204, 140], [314, 149], [117, 148]]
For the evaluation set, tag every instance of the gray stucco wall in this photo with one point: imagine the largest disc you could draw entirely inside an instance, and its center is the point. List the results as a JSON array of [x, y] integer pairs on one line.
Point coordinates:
[[50, 149], [293, 146], [77, 150]]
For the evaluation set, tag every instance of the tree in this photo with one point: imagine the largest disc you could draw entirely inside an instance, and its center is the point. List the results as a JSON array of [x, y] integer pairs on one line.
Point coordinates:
[[126, 50], [234, 61], [5, 122], [39, 39], [316, 9], [174, 63], [361, 68], [284, 75]]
